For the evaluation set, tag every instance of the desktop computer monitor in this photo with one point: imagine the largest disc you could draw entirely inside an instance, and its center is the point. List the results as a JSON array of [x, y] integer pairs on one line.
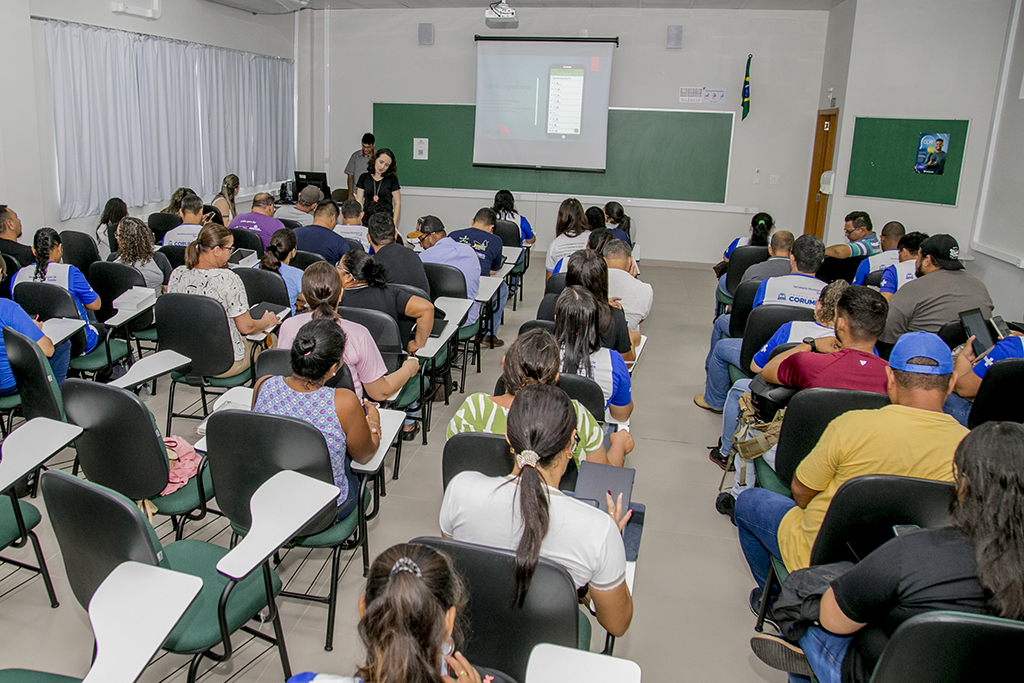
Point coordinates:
[[303, 178]]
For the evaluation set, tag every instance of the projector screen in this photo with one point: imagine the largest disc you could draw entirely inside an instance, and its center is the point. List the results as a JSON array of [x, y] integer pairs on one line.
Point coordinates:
[[542, 103]]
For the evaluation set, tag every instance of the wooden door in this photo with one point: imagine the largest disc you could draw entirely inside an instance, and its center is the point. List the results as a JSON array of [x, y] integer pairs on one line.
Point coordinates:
[[824, 147]]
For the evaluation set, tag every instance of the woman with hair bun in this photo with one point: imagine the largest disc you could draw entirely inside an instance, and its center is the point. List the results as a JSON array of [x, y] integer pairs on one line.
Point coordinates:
[[338, 414], [526, 512], [760, 230], [277, 259]]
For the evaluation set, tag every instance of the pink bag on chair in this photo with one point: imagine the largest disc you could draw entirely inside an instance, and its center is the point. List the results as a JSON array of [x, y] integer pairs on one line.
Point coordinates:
[[184, 464]]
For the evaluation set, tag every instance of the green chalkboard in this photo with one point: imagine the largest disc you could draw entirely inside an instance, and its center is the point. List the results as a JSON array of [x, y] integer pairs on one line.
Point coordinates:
[[885, 151], [651, 154]]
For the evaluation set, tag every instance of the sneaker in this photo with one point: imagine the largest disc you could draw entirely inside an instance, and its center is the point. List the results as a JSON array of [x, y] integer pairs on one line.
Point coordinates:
[[779, 653], [755, 606], [699, 401], [726, 505], [716, 456]]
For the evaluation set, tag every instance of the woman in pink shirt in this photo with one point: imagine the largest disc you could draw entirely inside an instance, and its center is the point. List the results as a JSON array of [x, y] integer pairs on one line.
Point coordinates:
[[321, 287]]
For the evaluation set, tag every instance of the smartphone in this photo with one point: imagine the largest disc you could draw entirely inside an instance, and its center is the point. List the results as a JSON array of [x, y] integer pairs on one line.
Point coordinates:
[[565, 101], [1002, 329]]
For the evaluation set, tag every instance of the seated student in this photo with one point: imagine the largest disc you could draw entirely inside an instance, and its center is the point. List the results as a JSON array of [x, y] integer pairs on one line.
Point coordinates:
[[860, 233], [910, 438], [595, 217], [319, 237], [366, 286], [599, 238], [191, 213], [845, 361], [488, 247], [46, 246], [533, 358], [760, 229], [439, 248], [351, 428], [505, 209], [14, 316], [970, 372], [321, 289], [277, 259], [302, 210], [892, 233], [401, 264], [535, 518], [260, 220], [779, 248], [351, 225], [134, 243], [903, 272], [621, 225], [571, 234], [205, 273], [950, 568], [10, 232], [624, 285], [576, 329]]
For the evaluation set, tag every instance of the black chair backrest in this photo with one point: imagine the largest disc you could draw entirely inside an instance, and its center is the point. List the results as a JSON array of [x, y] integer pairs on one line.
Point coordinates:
[[501, 637], [289, 223], [11, 268], [864, 510], [445, 280], [79, 250], [586, 391], [353, 244], [162, 223], [998, 397], [175, 254], [178, 316], [97, 529], [120, 447], [953, 333], [488, 454], [246, 449], [555, 284], [384, 330], [974, 647], [217, 216], [833, 269], [548, 325], [546, 308], [413, 290], [874, 278], [741, 259], [807, 416], [50, 301], [304, 259], [508, 232], [111, 280], [278, 362], [246, 239], [742, 304], [37, 387], [263, 286], [762, 323]]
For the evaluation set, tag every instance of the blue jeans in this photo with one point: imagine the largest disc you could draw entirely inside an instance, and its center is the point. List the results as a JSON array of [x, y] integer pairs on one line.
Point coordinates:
[[717, 382], [758, 515], [720, 330], [825, 652], [496, 318], [60, 360], [958, 407]]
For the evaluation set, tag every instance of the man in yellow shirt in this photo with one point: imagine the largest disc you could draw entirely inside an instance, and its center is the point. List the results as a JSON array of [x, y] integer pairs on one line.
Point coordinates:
[[911, 438]]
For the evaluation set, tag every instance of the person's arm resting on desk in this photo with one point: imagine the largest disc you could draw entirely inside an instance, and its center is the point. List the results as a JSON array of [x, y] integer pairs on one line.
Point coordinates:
[[380, 389], [608, 589], [839, 251], [423, 311], [362, 430], [967, 382]]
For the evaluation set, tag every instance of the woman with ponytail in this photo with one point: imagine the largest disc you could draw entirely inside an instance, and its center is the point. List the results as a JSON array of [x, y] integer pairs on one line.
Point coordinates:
[[225, 199], [206, 273], [321, 289], [47, 249], [277, 259], [619, 223], [760, 230], [526, 512], [338, 414]]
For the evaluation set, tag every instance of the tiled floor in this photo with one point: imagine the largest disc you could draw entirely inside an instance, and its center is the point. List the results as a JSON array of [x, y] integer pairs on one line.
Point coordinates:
[[691, 620]]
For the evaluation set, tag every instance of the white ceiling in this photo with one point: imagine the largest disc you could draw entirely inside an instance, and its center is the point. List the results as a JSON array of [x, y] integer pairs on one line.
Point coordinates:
[[281, 6]]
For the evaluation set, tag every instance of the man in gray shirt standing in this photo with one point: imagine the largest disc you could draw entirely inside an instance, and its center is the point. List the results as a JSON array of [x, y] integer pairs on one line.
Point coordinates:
[[942, 290], [778, 259], [356, 165]]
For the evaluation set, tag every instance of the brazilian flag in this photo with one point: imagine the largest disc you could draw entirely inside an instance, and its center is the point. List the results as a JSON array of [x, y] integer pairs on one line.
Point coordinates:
[[746, 90]]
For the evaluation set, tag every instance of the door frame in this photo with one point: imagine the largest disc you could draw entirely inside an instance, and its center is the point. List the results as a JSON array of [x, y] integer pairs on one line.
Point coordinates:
[[821, 161]]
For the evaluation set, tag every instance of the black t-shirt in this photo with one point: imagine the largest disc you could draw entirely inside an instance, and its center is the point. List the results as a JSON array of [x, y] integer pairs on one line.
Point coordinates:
[[616, 338], [933, 569], [403, 266], [389, 300], [21, 252], [381, 189]]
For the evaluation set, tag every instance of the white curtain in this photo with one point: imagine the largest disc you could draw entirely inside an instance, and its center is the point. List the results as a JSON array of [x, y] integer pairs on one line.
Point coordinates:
[[138, 116]]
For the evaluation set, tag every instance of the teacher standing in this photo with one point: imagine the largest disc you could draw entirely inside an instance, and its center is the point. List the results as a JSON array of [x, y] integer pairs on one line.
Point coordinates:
[[378, 189]]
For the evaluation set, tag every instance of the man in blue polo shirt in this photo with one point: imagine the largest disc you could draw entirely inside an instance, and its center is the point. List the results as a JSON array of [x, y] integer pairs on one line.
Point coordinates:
[[970, 371], [860, 233], [439, 248], [892, 233], [480, 235], [319, 237]]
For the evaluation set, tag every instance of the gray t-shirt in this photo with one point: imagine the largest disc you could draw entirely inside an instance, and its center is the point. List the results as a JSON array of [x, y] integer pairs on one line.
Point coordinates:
[[356, 165], [290, 213], [220, 284], [930, 302], [776, 266]]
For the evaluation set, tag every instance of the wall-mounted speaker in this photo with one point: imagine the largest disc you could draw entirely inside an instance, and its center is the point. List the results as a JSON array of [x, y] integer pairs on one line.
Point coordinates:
[[426, 34], [674, 37]]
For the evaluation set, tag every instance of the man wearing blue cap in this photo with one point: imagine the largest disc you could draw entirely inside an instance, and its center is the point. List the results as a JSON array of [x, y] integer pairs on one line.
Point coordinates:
[[910, 438]]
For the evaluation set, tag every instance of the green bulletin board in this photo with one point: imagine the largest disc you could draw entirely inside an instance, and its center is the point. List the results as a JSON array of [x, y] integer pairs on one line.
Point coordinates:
[[885, 151]]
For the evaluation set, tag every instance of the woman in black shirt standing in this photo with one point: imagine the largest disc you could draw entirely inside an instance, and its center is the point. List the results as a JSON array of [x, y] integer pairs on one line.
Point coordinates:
[[378, 189]]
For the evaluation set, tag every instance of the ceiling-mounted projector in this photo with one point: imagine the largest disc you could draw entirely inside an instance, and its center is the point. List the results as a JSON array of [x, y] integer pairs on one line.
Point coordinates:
[[499, 14]]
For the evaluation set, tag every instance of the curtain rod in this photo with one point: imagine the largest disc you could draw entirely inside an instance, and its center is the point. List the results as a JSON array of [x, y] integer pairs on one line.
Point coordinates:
[[35, 17]]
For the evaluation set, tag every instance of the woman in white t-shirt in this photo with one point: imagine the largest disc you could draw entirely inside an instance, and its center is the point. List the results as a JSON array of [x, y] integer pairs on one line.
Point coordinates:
[[571, 234], [525, 511]]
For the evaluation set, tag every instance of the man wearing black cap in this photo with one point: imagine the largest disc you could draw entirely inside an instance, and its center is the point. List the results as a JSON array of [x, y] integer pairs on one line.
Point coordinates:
[[439, 248], [941, 291]]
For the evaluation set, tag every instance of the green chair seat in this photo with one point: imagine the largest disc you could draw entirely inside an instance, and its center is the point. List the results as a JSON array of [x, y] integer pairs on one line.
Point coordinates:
[[24, 676], [337, 532], [199, 629], [767, 479], [585, 632], [410, 393], [10, 402], [469, 331], [97, 358], [735, 374], [233, 381], [148, 334], [8, 523], [185, 499], [723, 298], [780, 569]]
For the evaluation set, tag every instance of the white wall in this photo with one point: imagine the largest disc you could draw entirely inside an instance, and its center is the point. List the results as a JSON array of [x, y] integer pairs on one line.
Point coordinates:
[[838, 42], [375, 58]]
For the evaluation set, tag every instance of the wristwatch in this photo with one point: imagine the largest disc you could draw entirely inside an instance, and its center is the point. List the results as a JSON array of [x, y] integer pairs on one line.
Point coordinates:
[[810, 342]]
